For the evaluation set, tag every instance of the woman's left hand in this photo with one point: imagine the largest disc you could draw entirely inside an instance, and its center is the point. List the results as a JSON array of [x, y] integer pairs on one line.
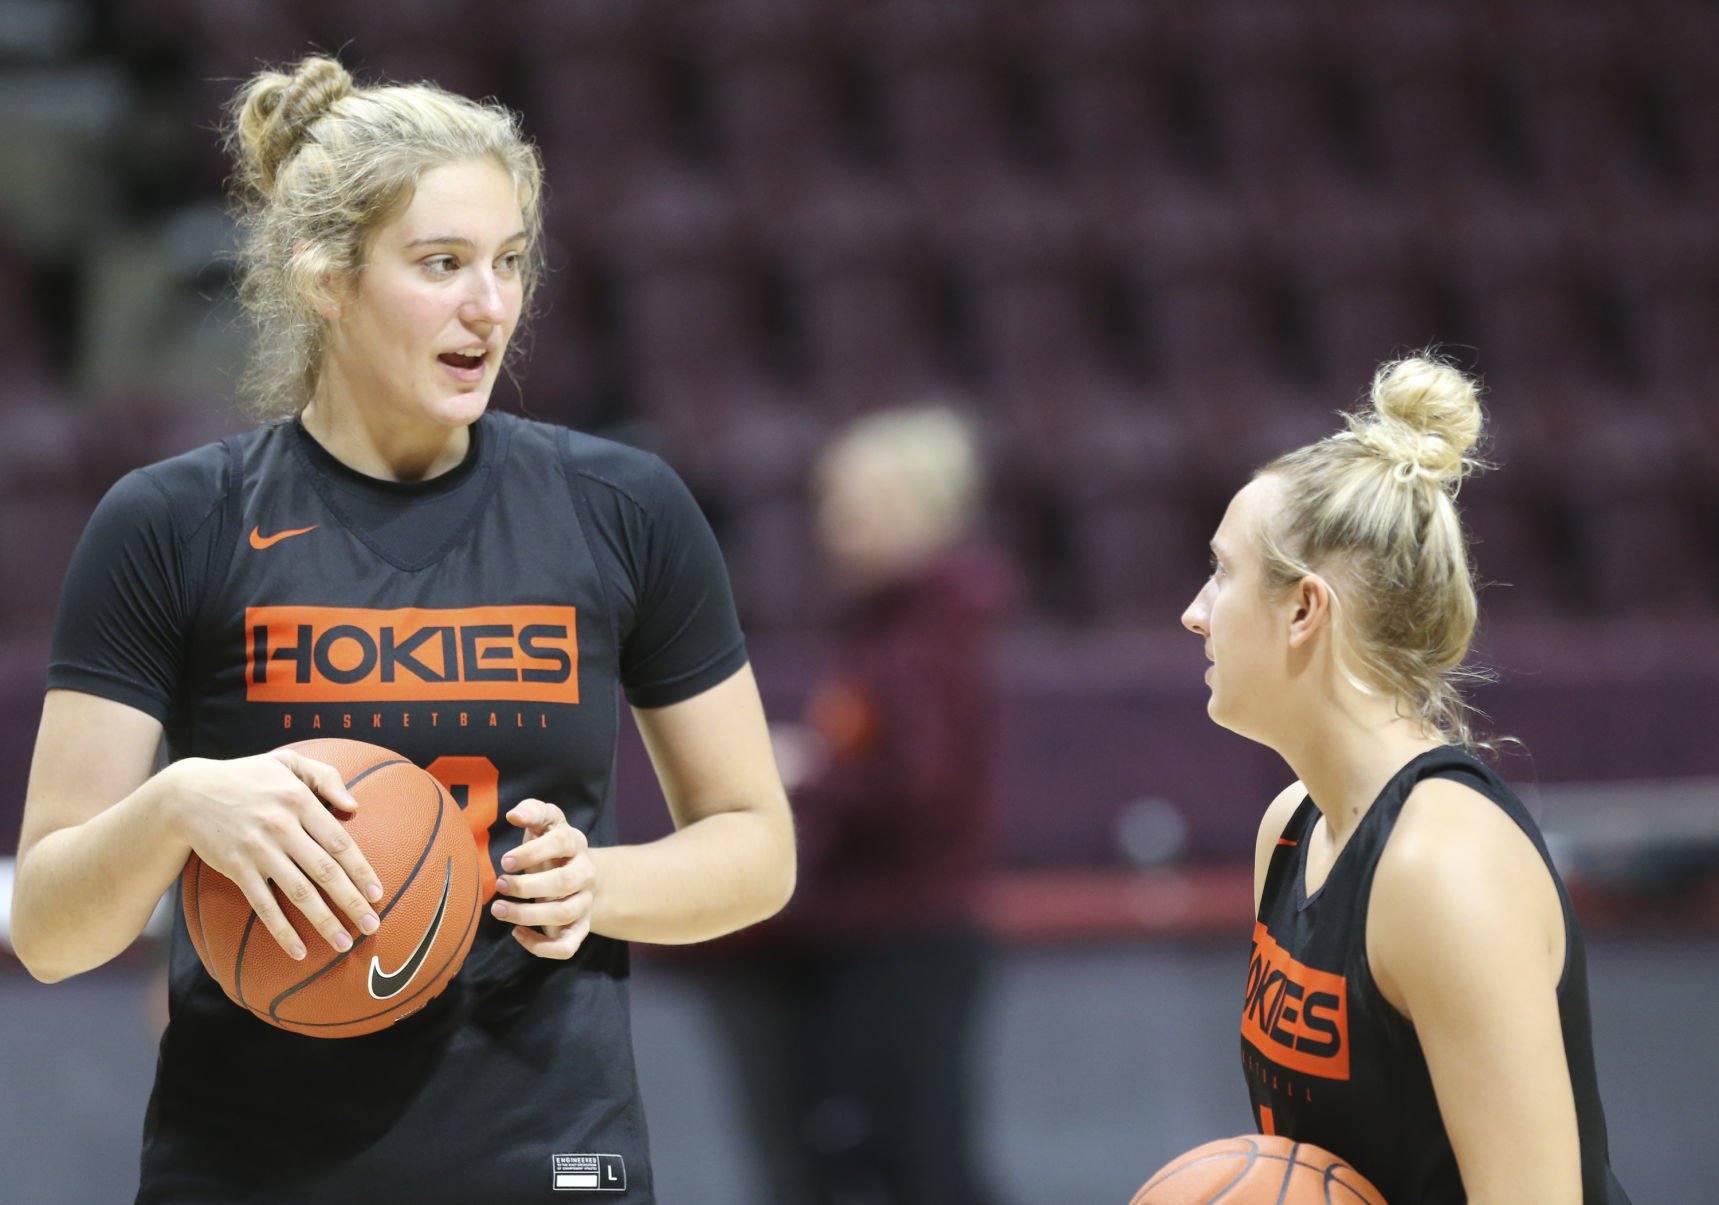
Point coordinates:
[[549, 880]]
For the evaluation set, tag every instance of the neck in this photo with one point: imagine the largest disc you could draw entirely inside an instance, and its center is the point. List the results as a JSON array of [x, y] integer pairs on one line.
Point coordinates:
[[1346, 756], [381, 450]]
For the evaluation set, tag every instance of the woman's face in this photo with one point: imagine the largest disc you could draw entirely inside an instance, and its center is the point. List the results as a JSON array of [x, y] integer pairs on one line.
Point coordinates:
[[419, 338], [1246, 632]]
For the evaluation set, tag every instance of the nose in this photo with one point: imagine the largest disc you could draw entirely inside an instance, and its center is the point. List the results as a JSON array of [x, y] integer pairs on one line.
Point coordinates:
[[1194, 618], [485, 304]]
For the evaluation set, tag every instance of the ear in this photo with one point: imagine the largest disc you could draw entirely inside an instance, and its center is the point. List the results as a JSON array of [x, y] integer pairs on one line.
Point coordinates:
[[1310, 599], [327, 295], [321, 287], [324, 302]]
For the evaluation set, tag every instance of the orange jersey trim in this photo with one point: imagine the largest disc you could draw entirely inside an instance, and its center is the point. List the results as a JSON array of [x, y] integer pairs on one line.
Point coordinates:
[[1295, 1015], [413, 654]]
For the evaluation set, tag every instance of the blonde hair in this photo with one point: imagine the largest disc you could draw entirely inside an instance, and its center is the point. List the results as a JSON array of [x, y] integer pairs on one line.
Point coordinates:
[[1373, 508], [321, 165], [931, 447]]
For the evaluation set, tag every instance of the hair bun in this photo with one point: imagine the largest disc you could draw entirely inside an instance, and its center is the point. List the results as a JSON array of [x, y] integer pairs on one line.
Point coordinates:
[[275, 111], [1426, 418]]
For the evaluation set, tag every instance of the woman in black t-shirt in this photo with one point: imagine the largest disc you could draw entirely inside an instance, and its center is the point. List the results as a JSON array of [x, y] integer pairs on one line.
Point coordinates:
[[1417, 996], [392, 240]]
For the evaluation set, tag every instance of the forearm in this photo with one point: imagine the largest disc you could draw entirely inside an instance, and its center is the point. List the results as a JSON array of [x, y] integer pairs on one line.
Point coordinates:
[[84, 893], [711, 877]]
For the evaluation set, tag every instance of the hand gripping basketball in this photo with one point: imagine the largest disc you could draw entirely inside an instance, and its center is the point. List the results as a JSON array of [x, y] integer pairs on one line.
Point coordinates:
[[266, 819], [426, 866], [550, 879]]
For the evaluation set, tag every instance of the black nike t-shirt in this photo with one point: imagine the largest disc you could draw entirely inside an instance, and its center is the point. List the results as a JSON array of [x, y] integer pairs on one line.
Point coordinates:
[[257, 592]]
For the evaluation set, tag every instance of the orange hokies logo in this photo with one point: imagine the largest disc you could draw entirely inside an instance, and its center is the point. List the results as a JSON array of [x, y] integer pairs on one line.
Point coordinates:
[[1296, 1016], [342, 655]]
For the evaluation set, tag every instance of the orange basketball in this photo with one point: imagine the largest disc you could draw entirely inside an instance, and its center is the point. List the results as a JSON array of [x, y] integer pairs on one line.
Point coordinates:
[[417, 842], [1257, 1169]]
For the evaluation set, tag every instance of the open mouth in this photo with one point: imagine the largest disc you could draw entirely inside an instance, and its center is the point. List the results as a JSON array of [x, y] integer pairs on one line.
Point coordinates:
[[466, 367]]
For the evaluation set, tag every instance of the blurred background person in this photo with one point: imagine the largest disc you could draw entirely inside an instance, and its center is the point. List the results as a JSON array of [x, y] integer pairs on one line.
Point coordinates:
[[853, 1017]]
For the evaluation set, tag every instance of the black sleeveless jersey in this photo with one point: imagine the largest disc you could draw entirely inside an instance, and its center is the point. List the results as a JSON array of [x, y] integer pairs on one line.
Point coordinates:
[[257, 592], [1329, 1061]]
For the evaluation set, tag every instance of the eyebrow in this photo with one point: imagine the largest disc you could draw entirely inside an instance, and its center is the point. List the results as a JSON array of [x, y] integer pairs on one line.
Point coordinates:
[[454, 240]]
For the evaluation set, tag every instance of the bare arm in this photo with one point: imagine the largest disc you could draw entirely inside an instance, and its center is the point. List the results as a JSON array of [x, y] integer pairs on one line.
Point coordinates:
[[90, 870], [103, 838], [1466, 937], [728, 864]]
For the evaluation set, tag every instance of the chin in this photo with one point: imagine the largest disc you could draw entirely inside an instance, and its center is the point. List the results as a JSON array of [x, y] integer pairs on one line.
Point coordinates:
[[460, 409], [1224, 717], [1216, 714]]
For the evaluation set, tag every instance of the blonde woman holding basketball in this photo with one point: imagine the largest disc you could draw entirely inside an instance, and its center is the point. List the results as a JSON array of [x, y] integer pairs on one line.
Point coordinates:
[[499, 580], [1417, 998]]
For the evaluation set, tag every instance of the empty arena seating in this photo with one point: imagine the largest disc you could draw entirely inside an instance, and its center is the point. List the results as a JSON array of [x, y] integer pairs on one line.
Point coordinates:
[[1114, 229]]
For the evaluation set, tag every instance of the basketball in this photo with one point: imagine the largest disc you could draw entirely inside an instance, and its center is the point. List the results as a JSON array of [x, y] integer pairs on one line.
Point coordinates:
[[1257, 1169], [417, 842]]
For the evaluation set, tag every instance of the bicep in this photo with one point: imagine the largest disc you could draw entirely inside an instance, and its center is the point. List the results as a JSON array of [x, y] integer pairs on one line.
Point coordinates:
[[1491, 1035], [90, 753], [1462, 945], [712, 752]]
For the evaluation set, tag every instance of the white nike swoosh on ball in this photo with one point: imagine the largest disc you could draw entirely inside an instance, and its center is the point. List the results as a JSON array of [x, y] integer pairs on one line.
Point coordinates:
[[385, 985]]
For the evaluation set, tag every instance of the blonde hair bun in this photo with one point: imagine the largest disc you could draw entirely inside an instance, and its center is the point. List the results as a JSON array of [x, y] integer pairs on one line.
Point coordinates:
[[1426, 417], [273, 114]]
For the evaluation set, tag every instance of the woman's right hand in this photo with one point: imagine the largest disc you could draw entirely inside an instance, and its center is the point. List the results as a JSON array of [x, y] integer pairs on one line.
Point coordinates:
[[265, 820]]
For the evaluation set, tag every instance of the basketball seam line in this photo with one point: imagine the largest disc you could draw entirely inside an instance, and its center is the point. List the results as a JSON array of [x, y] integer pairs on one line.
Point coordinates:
[[381, 765], [1288, 1173]]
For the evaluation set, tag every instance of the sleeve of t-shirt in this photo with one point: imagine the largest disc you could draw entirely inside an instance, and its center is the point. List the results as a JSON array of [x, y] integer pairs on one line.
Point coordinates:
[[685, 636], [126, 607]]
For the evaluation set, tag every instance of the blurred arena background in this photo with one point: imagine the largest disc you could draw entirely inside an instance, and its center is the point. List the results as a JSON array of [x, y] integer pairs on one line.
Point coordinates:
[[1146, 245]]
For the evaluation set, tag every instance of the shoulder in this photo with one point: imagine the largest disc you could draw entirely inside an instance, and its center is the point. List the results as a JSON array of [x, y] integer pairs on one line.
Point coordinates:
[[1271, 827], [1448, 833], [606, 468], [180, 492], [1277, 814], [201, 471], [1458, 883]]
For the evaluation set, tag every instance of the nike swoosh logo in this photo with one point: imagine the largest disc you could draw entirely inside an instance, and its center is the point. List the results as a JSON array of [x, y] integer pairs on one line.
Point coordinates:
[[385, 985], [259, 541]]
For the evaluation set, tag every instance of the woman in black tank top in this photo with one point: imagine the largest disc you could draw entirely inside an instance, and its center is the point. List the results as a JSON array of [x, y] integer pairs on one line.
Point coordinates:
[[1417, 996]]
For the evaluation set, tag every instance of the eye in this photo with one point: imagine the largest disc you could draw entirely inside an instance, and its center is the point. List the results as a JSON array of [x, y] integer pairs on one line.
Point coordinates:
[[511, 261], [441, 265]]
